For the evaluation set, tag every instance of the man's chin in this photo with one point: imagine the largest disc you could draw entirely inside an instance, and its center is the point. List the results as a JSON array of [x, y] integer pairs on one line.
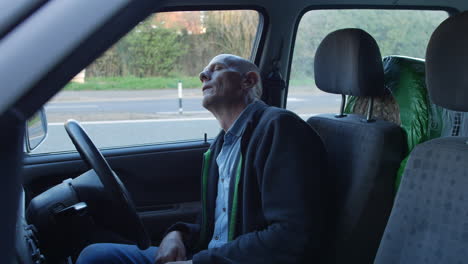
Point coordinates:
[[210, 103], [206, 102]]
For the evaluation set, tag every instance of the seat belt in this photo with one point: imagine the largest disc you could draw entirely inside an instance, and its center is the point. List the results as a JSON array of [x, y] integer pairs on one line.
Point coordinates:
[[274, 84]]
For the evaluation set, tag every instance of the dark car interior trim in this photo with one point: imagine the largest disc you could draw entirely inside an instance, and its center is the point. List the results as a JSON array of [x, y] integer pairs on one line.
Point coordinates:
[[174, 177], [25, 8]]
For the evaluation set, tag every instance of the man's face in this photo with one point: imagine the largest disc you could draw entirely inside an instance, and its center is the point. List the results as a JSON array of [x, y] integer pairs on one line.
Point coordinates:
[[221, 83]]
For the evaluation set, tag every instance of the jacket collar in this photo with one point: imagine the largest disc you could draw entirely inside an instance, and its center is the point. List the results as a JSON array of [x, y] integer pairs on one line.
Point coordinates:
[[251, 122]]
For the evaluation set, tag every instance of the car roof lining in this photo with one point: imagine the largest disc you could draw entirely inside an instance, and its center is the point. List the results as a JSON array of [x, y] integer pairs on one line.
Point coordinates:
[[268, 4], [12, 12]]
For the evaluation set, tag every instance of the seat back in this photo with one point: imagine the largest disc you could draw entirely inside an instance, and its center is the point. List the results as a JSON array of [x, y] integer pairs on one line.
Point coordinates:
[[429, 220], [407, 103], [364, 154]]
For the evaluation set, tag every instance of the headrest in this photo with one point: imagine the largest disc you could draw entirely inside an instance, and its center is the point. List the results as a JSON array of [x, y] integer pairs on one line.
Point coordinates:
[[447, 64], [348, 61]]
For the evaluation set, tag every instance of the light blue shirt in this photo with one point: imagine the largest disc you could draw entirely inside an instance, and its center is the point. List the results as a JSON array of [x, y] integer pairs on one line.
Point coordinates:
[[227, 161]]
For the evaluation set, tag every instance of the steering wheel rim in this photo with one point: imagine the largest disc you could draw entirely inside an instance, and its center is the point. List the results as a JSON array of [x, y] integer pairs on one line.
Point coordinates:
[[112, 184]]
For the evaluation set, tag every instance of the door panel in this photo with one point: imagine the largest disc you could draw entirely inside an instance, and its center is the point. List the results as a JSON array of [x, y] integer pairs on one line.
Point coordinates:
[[163, 180]]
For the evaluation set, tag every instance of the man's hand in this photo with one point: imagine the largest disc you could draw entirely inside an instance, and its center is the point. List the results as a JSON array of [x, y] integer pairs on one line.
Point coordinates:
[[172, 248]]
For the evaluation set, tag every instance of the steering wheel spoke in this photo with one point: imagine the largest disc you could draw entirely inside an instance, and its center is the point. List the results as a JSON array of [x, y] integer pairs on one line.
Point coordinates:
[[112, 184]]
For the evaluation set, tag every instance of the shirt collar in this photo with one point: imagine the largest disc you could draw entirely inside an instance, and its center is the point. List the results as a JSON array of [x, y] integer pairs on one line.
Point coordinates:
[[238, 127]]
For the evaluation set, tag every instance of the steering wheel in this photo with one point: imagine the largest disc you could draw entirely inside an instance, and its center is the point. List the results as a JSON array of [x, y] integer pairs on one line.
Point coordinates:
[[112, 184]]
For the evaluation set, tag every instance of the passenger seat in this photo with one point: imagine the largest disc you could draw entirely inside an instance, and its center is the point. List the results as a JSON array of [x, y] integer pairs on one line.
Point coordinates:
[[364, 153], [429, 221]]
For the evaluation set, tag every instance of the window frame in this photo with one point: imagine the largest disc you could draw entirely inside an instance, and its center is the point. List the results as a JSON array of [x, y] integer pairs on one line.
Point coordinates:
[[449, 10], [255, 55]]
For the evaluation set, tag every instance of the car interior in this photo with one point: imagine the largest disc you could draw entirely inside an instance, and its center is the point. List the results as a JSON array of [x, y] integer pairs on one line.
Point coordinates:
[[395, 142]]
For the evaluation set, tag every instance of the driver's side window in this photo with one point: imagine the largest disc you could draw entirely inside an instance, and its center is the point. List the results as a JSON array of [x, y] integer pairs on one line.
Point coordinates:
[[145, 89]]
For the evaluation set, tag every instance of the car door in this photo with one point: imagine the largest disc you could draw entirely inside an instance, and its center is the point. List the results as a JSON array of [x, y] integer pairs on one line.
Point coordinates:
[[141, 104], [163, 180]]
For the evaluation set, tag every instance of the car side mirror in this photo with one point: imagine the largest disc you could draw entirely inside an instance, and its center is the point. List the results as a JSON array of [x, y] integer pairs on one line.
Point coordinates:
[[36, 130]]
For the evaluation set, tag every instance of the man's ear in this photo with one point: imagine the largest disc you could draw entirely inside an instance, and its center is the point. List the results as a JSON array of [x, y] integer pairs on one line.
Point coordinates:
[[250, 80]]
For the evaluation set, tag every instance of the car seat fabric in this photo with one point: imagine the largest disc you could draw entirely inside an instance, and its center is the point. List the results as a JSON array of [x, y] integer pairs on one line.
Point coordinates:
[[348, 61], [364, 158], [363, 155], [406, 98], [429, 221], [454, 95]]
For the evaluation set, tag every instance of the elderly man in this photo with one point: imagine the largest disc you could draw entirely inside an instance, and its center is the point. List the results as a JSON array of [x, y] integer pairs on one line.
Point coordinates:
[[260, 184]]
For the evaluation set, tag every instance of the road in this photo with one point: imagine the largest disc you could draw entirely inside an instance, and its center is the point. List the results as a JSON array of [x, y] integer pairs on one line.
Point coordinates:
[[143, 117], [131, 132], [154, 104]]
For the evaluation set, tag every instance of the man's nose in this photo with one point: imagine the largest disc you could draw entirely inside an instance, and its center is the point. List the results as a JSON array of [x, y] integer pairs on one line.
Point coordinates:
[[204, 76]]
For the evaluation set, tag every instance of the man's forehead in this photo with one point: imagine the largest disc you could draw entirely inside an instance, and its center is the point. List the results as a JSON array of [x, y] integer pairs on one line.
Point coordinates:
[[229, 60], [223, 59]]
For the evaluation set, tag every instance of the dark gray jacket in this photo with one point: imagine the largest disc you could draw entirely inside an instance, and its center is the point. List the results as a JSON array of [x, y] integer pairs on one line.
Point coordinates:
[[275, 201]]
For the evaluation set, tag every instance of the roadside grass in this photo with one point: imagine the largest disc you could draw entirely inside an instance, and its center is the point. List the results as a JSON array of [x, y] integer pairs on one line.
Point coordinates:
[[150, 83]]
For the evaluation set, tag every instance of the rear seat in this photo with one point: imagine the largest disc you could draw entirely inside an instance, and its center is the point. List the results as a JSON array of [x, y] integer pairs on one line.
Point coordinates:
[[407, 104]]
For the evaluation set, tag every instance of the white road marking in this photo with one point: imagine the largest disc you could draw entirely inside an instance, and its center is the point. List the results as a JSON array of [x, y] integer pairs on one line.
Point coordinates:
[[186, 112], [137, 121], [70, 106], [294, 99], [126, 99], [154, 120], [35, 137], [307, 115]]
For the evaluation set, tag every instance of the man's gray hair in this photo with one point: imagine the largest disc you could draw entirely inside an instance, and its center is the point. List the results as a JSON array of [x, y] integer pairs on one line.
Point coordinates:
[[244, 66], [257, 90]]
